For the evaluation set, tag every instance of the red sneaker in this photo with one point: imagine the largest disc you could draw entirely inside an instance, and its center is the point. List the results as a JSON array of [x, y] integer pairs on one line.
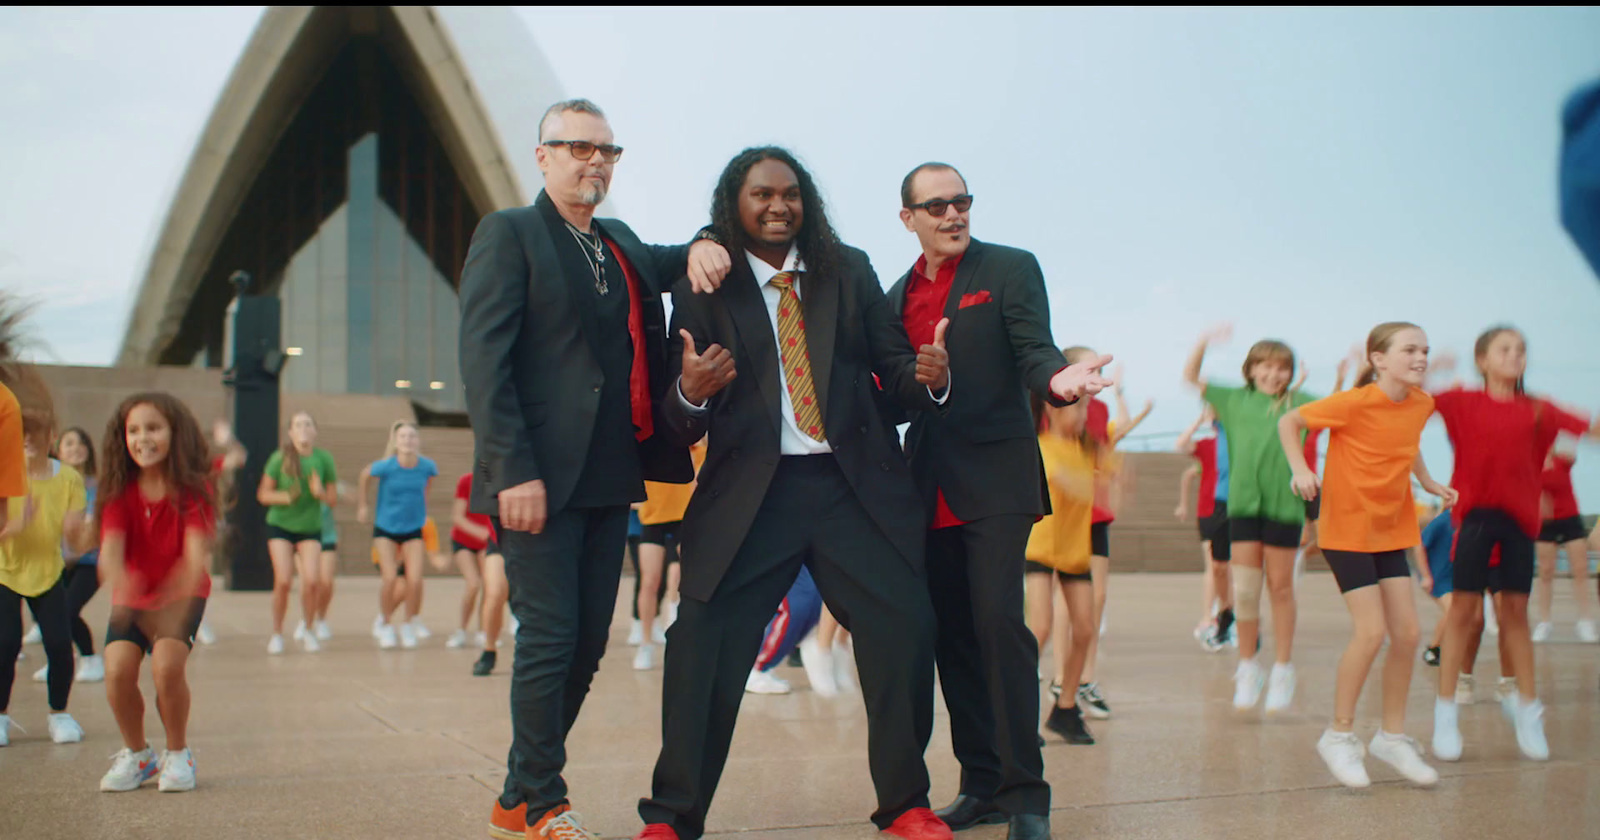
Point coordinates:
[[508, 825], [657, 831], [919, 824]]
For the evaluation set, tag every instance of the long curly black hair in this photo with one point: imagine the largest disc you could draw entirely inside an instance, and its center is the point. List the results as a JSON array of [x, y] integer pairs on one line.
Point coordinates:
[[819, 245]]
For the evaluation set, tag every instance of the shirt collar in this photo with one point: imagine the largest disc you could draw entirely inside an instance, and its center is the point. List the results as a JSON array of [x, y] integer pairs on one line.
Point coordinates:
[[947, 271], [764, 272]]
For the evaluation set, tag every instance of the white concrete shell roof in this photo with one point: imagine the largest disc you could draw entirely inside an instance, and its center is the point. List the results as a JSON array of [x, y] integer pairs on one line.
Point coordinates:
[[471, 65]]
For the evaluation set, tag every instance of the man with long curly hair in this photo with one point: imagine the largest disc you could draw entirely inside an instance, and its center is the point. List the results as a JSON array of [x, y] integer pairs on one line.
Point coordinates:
[[804, 468]]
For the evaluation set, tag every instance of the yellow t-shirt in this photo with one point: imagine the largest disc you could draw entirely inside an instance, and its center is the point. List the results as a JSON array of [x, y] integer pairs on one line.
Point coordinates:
[[667, 502], [1061, 540], [31, 562]]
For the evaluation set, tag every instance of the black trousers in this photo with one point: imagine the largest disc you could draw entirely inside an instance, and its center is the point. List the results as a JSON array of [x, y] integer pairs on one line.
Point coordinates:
[[563, 589], [49, 610], [82, 580], [989, 661], [810, 517]]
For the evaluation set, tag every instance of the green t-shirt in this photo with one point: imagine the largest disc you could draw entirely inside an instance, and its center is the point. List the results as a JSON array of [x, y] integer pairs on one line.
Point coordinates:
[[1258, 473], [304, 514]]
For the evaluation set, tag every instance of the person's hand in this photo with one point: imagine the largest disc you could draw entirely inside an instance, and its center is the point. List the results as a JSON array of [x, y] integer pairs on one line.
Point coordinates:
[[708, 265], [1305, 484], [14, 524], [933, 362], [316, 486], [1149, 406], [364, 514], [1182, 513], [1081, 380], [439, 560], [1219, 334], [1447, 495], [524, 507], [221, 433], [1343, 371], [704, 374], [1425, 578]]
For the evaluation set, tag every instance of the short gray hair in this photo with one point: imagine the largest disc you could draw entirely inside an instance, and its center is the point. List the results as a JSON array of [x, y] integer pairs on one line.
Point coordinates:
[[581, 106]]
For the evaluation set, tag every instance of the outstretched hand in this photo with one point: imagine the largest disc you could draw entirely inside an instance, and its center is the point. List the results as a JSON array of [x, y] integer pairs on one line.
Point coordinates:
[[704, 374], [933, 361], [1081, 380]]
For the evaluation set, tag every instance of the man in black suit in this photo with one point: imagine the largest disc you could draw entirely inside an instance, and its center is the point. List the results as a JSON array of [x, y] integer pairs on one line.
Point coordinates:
[[804, 468], [563, 359], [980, 476]]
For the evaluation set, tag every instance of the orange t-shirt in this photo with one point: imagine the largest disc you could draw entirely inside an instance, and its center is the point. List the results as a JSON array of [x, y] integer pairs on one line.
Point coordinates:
[[1366, 486], [13, 465], [666, 503]]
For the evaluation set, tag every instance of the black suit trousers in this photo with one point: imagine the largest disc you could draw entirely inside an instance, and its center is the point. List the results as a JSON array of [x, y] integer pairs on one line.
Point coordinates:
[[809, 516], [563, 590], [988, 660]]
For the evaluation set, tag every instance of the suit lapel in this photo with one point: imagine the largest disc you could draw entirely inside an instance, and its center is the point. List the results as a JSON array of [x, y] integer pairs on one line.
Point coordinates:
[[568, 261], [653, 312], [752, 322], [820, 303], [897, 295], [965, 273]]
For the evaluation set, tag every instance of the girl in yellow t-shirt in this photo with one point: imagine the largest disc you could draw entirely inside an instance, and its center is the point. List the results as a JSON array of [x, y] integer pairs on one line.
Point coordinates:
[[1058, 551], [661, 515]]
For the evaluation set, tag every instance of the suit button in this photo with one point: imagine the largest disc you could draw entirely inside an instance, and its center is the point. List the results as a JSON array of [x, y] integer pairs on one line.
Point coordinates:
[[863, 429], [715, 493], [597, 389], [885, 466]]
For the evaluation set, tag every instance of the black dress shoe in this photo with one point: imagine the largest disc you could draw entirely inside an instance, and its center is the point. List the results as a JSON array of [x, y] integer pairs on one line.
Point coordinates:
[[485, 664], [1029, 827], [968, 811]]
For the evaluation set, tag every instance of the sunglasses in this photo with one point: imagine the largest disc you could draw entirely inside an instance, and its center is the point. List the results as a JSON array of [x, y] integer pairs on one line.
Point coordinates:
[[936, 207], [583, 149]]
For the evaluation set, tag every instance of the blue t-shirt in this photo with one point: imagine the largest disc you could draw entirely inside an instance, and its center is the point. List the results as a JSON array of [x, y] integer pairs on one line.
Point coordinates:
[[1437, 540], [402, 495], [92, 557], [1222, 464]]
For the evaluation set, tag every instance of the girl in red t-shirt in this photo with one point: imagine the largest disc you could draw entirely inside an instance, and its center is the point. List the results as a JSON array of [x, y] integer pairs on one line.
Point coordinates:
[[1563, 529], [1501, 437], [156, 516]]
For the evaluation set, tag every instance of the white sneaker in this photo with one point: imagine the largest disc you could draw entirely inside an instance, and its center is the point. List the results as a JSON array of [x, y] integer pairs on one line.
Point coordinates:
[[385, 636], [275, 645], [644, 658], [323, 631], [1465, 694], [310, 643], [762, 682], [300, 630], [204, 635], [1247, 683], [480, 639], [421, 630], [34, 636], [635, 633], [91, 669], [818, 662], [844, 666], [457, 639], [1405, 756], [408, 636], [177, 771], [42, 675], [64, 730], [1541, 631], [1344, 755], [659, 634], [1446, 730], [377, 626], [1280, 688], [1528, 718], [1504, 688], [129, 770], [5, 730], [1587, 632]]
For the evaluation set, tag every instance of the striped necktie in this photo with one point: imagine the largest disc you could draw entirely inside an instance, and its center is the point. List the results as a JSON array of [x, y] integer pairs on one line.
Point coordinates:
[[796, 359]]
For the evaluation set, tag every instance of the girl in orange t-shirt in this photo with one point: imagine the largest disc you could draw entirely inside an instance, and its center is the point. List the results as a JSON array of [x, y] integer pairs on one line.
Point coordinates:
[[1368, 524]]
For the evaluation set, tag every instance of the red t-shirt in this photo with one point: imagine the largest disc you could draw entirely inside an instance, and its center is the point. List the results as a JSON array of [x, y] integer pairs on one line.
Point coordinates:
[[468, 541], [153, 534], [1311, 448], [1556, 482], [1099, 428], [1500, 450], [1205, 451], [925, 302]]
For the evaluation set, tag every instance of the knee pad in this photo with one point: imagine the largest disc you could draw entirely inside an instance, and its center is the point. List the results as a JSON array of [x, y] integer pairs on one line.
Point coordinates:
[[1246, 593]]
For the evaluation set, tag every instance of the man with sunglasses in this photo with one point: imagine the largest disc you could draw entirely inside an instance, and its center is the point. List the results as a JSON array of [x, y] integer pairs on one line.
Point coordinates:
[[978, 467], [563, 359]]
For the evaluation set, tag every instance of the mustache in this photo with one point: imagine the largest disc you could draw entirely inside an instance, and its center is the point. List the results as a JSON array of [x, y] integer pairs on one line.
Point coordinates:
[[956, 227]]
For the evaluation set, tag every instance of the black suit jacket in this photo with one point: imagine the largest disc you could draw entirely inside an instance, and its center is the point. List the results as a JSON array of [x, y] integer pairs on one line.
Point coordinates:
[[850, 335], [531, 378], [983, 449]]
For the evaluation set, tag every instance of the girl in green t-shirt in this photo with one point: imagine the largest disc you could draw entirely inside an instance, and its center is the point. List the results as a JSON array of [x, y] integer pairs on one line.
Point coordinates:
[[298, 480], [1265, 517]]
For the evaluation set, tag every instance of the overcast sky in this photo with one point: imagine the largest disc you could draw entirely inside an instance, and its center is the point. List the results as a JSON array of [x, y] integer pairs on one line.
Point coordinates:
[[1304, 173]]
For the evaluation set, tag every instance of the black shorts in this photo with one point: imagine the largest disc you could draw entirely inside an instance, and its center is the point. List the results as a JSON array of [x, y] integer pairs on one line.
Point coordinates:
[[1031, 567], [276, 533], [125, 627], [330, 546], [1355, 569], [1563, 530], [1214, 529], [664, 534], [397, 539], [1314, 509], [1100, 539], [1480, 532], [1265, 531]]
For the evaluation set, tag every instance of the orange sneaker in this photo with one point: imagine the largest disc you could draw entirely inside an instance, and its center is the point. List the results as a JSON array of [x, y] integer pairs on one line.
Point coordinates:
[[508, 824], [559, 823]]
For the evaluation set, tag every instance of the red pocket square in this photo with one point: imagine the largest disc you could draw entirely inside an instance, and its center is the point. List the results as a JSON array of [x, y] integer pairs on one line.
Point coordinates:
[[974, 299]]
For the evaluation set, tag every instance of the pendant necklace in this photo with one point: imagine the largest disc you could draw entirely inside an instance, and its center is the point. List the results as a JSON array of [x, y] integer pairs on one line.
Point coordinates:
[[597, 262]]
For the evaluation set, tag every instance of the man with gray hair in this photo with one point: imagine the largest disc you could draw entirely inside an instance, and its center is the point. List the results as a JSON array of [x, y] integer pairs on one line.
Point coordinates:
[[563, 358]]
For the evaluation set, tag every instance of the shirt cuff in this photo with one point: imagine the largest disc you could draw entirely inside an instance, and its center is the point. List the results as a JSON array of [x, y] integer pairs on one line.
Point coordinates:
[[685, 400], [939, 399]]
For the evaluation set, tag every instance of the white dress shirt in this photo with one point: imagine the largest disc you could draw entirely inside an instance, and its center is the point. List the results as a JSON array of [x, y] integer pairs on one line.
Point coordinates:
[[792, 440]]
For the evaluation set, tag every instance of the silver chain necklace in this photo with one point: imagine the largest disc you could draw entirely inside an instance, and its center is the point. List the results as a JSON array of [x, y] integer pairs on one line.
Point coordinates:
[[597, 263]]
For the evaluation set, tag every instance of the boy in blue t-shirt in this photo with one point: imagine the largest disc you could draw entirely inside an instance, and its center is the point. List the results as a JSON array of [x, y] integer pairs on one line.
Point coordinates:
[[1438, 538]]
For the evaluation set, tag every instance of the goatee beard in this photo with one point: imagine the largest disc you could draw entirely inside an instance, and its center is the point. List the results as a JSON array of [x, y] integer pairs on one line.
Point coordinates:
[[591, 196]]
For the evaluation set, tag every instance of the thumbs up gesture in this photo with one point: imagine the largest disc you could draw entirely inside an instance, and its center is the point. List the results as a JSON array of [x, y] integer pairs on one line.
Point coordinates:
[[933, 363], [704, 374]]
